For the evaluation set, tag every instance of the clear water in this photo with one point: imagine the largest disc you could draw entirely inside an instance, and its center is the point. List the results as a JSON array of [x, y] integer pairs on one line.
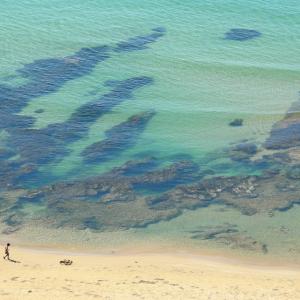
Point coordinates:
[[201, 82]]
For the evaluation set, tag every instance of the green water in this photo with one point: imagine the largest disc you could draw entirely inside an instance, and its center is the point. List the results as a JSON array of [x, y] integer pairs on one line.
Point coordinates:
[[201, 80]]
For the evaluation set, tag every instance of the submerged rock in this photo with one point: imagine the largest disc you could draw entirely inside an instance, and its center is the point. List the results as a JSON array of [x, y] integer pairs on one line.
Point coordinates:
[[136, 167], [176, 173], [243, 151], [6, 153], [210, 233], [236, 123], [41, 146], [294, 172], [107, 201], [39, 111], [285, 134], [230, 235], [140, 42], [48, 75], [112, 201], [241, 34], [140, 192], [118, 138], [45, 76], [12, 173]]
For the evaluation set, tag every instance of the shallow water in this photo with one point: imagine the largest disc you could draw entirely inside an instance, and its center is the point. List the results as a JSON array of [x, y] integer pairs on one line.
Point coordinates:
[[191, 74]]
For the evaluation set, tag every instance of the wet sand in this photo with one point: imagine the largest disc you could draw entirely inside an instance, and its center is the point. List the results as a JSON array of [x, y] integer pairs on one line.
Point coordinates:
[[39, 275]]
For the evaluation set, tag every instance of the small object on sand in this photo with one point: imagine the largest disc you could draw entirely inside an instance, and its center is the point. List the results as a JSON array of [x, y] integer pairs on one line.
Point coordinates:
[[66, 262], [236, 122]]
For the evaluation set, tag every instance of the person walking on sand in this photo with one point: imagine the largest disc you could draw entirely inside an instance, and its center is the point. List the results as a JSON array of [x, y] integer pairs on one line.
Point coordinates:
[[6, 251]]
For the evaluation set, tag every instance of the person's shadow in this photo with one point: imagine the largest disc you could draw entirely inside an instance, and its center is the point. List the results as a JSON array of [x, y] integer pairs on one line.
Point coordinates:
[[13, 261]]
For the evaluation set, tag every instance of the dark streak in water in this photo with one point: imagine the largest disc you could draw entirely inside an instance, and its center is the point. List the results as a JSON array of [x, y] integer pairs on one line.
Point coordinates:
[[48, 144], [118, 138], [140, 42], [35, 147], [46, 76]]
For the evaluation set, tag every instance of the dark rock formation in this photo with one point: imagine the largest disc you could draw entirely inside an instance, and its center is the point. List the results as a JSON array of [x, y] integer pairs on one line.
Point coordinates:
[[45, 76], [241, 34], [285, 134], [118, 138], [40, 146], [48, 75], [106, 202], [136, 167], [294, 172], [177, 173], [230, 235], [210, 233], [140, 42], [6, 153], [39, 111], [236, 123], [243, 151], [12, 172]]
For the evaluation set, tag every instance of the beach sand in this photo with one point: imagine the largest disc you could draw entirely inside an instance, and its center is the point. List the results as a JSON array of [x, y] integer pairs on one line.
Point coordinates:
[[39, 275]]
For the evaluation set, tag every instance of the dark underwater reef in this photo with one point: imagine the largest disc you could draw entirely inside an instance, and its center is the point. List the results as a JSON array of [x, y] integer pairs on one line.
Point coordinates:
[[241, 34], [28, 148], [45, 76], [118, 138], [140, 42], [49, 143], [113, 200], [144, 190]]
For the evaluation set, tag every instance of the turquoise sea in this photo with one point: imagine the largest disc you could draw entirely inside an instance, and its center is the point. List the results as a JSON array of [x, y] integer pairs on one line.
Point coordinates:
[[115, 125]]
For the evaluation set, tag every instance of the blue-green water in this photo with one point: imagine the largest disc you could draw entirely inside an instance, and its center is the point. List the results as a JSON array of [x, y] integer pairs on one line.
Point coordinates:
[[190, 76]]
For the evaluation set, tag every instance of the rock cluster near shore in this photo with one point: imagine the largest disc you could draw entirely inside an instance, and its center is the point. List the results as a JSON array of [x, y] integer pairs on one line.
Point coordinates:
[[113, 201], [230, 235]]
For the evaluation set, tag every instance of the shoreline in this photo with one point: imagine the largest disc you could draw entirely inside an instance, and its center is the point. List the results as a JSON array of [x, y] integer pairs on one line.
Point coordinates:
[[141, 276], [161, 238], [207, 255]]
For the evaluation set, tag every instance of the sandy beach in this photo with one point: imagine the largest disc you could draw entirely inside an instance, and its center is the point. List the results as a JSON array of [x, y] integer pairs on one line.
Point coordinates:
[[38, 275]]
